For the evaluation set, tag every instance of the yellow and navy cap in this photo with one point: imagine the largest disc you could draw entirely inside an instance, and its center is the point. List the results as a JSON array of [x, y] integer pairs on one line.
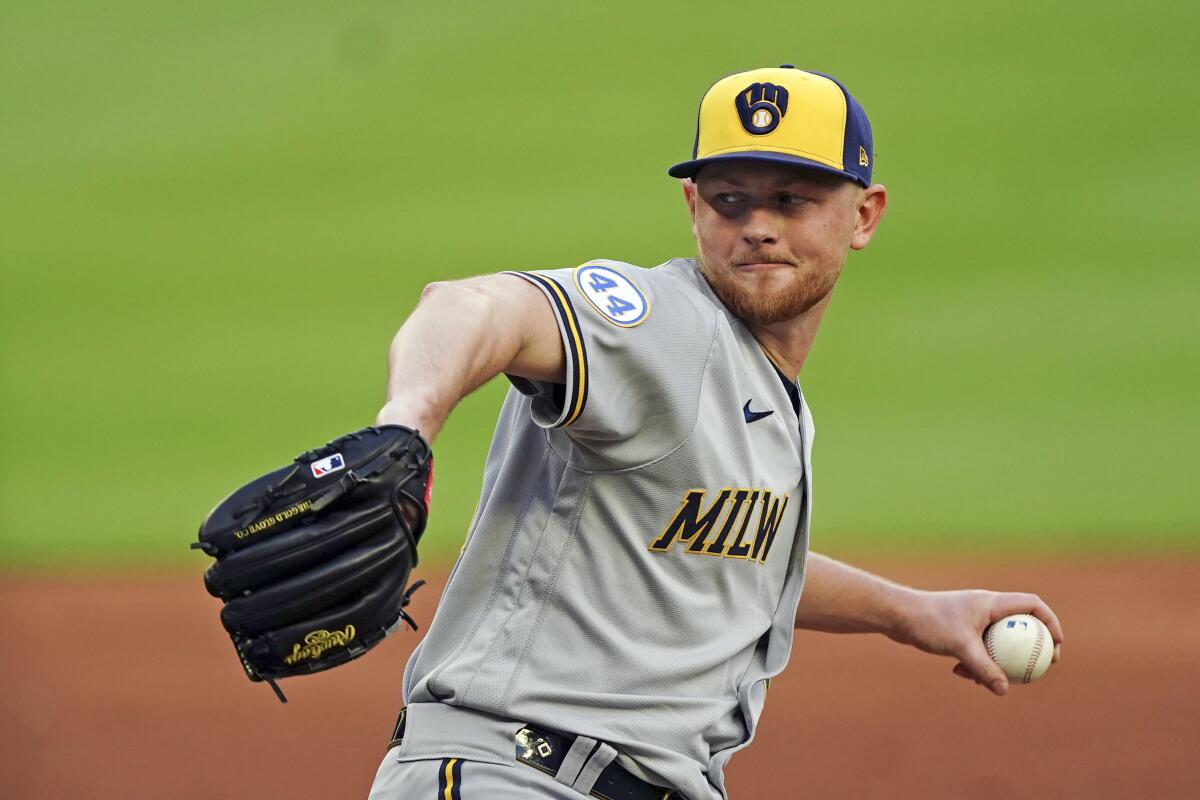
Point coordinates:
[[785, 115]]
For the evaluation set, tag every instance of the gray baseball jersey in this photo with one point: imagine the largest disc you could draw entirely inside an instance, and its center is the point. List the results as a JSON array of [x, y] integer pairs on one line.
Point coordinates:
[[634, 567]]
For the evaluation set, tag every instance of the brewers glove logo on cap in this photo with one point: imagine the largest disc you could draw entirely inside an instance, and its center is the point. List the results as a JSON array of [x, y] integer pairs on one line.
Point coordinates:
[[785, 115], [760, 107]]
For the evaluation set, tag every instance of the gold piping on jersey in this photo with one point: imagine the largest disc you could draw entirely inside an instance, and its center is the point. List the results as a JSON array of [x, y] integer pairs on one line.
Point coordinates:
[[577, 373], [450, 780]]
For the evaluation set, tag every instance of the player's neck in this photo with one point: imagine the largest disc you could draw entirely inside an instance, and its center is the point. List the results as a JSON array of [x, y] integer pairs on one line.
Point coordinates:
[[788, 343]]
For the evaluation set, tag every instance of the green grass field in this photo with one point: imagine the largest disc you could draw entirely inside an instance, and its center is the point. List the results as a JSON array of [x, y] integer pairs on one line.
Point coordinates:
[[216, 214]]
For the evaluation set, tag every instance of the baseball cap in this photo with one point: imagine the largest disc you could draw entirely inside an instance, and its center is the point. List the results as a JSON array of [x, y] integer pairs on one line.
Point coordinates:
[[784, 115]]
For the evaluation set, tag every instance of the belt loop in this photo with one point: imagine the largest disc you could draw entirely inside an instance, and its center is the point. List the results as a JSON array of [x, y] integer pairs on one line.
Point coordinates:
[[603, 756], [398, 731], [581, 748]]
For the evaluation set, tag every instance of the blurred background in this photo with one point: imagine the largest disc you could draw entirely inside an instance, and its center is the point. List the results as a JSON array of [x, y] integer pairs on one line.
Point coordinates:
[[215, 215]]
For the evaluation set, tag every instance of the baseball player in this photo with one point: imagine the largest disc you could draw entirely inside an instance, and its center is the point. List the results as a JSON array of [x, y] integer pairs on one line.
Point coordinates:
[[634, 571]]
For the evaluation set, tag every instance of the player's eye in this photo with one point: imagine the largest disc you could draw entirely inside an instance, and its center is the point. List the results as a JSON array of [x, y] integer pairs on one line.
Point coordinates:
[[728, 198], [789, 199]]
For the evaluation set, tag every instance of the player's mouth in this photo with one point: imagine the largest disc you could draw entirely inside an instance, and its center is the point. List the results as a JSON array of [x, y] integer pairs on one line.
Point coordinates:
[[757, 265]]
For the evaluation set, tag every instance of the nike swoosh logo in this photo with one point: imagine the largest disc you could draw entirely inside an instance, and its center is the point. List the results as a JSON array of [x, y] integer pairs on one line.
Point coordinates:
[[754, 416]]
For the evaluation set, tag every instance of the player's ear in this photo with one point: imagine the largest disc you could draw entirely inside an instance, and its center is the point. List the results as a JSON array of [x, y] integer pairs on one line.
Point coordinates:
[[689, 196], [871, 205]]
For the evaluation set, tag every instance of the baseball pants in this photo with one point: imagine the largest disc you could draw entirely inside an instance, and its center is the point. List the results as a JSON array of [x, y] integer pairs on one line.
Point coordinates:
[[459, 779]]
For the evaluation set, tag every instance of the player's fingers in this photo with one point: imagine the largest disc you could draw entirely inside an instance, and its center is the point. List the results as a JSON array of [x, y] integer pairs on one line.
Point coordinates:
[[1021, 603], [963, 672], [975, 659], [1047, 615]]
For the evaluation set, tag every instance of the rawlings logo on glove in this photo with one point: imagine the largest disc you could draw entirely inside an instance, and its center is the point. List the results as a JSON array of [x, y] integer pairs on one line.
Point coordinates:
[[318, 642]]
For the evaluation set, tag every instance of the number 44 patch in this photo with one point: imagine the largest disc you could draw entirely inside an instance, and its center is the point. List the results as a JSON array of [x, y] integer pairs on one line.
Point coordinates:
[[616, 297]]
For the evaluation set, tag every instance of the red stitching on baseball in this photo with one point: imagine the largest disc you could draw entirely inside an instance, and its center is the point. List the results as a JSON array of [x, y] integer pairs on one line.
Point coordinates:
[[1037, 652]]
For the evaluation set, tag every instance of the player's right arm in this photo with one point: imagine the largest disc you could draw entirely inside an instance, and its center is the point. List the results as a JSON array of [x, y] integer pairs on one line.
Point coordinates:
[[461, 335], [839, 598]]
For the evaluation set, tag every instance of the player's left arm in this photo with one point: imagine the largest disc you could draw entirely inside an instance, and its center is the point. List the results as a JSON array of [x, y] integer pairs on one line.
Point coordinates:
[[839, 598]]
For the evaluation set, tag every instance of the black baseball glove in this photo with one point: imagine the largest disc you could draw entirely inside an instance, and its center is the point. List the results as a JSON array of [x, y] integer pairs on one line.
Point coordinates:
[[313, 559]]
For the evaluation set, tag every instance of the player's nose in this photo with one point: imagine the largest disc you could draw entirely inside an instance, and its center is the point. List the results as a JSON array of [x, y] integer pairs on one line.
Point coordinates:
[[762, 227]]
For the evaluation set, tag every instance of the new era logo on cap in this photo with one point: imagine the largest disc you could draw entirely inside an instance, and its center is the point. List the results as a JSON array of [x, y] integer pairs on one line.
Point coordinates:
[[782, 115]]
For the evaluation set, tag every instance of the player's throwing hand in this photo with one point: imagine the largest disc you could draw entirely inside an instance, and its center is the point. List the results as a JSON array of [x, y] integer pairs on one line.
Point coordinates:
[[952, 624]]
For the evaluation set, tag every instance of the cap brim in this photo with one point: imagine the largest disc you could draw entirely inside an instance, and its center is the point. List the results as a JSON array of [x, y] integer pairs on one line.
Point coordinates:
[[688, 169]]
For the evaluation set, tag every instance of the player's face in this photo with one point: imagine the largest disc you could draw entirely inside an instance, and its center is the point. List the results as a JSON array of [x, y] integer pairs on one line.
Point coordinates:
[[772, 238]]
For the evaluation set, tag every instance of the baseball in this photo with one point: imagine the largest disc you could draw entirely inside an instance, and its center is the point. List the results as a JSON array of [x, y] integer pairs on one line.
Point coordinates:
[[1021, 645]]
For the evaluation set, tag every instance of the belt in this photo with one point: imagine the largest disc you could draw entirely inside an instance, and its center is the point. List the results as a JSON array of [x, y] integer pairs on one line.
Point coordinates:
[[546, 750]]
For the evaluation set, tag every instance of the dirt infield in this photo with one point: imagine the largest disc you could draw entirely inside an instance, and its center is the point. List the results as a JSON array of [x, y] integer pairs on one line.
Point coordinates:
[[127, 688]]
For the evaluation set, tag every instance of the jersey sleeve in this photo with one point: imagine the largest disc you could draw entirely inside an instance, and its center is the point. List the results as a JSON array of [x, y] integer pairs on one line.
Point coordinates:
[[636, 342]]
